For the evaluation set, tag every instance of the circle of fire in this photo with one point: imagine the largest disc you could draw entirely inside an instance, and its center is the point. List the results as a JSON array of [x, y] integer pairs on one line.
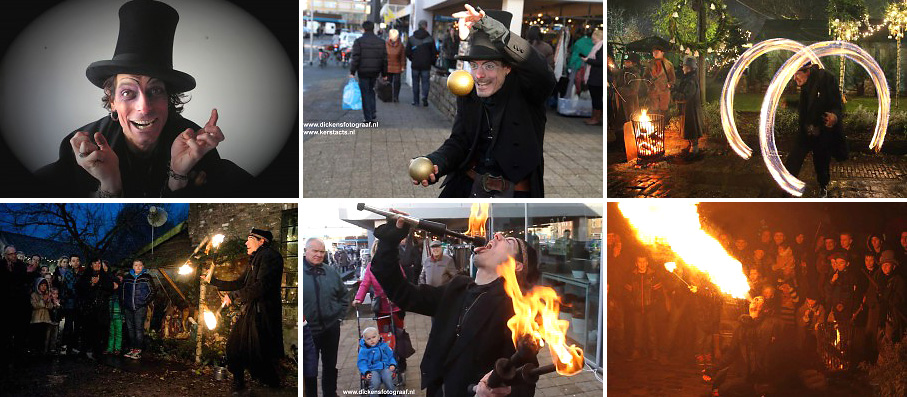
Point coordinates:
[[770, 155]]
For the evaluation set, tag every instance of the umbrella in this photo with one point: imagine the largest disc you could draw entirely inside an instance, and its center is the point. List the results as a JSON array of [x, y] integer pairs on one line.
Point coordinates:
[[646, 44]]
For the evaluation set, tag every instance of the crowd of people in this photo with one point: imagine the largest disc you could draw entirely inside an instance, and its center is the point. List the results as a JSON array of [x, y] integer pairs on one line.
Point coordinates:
[[827, 304], [72, 309], [384, 349]]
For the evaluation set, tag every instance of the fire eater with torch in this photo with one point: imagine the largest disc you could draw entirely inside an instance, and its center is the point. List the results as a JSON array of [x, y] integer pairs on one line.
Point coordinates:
[[256, 339], [469, 316]]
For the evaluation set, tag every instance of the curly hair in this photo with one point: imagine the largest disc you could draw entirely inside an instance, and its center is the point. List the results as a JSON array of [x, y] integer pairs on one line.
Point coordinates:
[[175, 102]]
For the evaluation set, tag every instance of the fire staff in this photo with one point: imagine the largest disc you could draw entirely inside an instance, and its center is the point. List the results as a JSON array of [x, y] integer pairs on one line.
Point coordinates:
[[256, 340], [469, 316], [495, 146]]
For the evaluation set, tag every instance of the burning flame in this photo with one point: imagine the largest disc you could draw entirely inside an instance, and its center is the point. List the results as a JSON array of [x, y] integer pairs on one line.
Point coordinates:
[[670, 266], [217, 239], [535, 315], [210, 320], [186, 269], [646, 134], [477, 217], [676, 224]]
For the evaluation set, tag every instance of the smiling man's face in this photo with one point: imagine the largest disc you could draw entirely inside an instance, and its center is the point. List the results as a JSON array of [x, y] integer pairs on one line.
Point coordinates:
[[141, 104], [489, 76]]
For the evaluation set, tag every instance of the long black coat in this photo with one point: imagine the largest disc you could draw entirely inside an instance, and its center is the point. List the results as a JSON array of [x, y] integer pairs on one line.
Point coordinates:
[[450, 362], [521, 129], [257, 336], [819, 95], [222, 178], [687, 90]]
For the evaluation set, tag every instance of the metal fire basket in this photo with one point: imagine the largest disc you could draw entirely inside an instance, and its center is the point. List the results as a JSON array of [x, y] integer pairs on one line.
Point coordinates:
[[650, 137]]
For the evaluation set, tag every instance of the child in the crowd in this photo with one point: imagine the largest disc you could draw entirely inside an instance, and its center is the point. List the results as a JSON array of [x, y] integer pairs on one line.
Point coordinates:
[[42, 302], [376, 360], [115, 338]]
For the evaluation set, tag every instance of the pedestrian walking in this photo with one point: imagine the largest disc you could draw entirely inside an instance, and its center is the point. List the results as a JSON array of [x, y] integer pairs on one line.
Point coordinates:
[[396, 62], [421, 51], [369, 61]]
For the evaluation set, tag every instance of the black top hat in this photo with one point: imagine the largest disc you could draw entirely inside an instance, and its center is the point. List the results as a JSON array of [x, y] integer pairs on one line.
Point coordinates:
[[480, 46], [633, 57], [144, 47], [261, 233]]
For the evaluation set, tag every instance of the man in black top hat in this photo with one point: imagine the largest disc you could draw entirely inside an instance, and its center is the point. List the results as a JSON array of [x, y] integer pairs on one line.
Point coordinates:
[[256, 339], [820, 129], [144, 148], [495, 146]]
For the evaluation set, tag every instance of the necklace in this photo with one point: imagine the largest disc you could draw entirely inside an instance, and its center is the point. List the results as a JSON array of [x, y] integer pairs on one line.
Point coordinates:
[[463, 315]]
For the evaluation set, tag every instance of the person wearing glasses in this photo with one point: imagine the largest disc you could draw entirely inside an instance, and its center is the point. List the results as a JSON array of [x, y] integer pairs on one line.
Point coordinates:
[[324, 303], [495, 146]]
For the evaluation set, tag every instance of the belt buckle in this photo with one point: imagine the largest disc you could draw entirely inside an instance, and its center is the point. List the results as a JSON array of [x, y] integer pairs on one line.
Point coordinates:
[[500, 179]]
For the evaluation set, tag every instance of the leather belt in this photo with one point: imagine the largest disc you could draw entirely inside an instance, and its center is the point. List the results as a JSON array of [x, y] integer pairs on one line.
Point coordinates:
[[491, 182]]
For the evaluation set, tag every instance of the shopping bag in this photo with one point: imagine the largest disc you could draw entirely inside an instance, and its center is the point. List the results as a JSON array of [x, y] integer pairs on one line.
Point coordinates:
[[575, 106], [352, 98], [383, 89]]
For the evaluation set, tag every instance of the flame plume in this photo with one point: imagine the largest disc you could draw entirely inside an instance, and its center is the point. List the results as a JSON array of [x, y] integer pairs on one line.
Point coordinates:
[[676, 225], [535, 315], [478, 214]]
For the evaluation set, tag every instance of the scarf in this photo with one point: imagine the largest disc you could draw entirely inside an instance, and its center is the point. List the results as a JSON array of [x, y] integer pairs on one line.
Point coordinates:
[[592, 54]]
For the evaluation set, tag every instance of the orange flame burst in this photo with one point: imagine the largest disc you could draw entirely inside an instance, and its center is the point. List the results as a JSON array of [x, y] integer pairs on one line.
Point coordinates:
[[536, 315], [677, 225], [477, 217]]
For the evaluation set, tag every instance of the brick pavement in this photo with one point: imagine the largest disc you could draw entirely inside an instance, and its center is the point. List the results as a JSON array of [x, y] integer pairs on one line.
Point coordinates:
[[372, 162], [721, 173], [583, 384]]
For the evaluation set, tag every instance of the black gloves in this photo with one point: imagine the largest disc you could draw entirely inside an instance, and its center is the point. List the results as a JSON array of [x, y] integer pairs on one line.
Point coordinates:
[[389, 233]]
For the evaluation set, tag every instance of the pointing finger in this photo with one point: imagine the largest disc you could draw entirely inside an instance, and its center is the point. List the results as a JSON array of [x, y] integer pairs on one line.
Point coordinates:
[[213, 120]]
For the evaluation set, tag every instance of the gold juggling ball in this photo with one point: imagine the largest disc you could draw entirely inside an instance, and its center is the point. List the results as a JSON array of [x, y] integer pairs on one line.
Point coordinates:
[[460, 83]]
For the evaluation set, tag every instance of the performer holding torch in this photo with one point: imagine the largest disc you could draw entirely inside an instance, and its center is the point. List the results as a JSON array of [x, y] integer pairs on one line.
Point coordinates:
[[256, 340], [469, 316], [495, 146]]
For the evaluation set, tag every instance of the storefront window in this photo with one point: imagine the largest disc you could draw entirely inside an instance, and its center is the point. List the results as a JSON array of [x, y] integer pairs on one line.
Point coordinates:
[[568, 238]]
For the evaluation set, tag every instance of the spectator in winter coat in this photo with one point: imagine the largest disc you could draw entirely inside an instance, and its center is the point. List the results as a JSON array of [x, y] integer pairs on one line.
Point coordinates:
[[646, 297], [64, 280], [137, 292], [438, 268], [376, 361], [894, 297], [396, 62], [94, 288], [385, 306], [421, 51], [41, 323], [369, 61], [324, 304]]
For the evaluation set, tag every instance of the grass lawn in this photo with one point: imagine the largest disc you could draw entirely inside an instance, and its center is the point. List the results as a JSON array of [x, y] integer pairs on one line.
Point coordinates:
[[753, 102]]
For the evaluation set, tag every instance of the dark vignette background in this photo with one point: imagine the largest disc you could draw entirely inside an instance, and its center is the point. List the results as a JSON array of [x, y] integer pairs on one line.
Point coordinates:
[[280, 179]]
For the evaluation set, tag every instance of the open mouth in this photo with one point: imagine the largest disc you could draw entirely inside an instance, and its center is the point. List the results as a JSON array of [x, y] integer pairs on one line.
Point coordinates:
[[483, 248], [142, 124], [483, 85]]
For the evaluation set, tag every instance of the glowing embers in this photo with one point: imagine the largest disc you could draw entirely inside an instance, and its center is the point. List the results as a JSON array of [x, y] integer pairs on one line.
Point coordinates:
[[649, 132]]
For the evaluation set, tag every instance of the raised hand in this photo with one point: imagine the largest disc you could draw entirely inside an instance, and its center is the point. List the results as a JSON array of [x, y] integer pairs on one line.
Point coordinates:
[[467, 19], [96, 157], [190, 146]]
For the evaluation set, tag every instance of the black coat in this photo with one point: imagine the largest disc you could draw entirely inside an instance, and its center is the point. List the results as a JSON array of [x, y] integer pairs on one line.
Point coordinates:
[[820, 94], [596, 74], [518, 147], [222, 178], [421, 50], [369, 56], [94, 298], [687, 90], [450, 361], [257, 336]]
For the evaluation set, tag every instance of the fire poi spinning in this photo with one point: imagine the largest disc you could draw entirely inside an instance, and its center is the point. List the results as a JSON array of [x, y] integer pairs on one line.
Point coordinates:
[[256, 338], [495, 146], [821, 132], [485, 333]]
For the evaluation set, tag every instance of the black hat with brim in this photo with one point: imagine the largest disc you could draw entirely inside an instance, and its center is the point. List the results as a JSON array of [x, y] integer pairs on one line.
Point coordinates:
[[144, 47], [261, 233], [480, 46]]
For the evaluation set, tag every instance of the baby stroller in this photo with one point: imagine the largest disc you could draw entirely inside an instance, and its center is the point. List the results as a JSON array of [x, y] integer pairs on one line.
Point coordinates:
[[389, 336]]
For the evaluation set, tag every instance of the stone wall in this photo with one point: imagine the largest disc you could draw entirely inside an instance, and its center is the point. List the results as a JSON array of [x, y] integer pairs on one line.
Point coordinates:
[[440, 96]]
